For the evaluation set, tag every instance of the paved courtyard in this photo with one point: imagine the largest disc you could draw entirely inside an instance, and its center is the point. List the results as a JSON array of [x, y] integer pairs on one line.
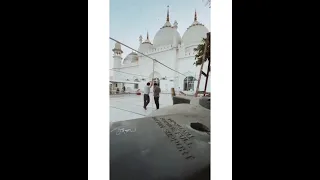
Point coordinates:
[[125, 107]]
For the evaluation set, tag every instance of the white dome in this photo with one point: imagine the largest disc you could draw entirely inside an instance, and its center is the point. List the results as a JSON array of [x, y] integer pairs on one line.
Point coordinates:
[[165, 37], [117, 46], [194, 34], [131, 58], [145, 47]]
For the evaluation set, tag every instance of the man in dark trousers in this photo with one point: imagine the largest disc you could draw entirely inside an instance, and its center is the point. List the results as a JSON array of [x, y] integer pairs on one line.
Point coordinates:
[[146, 97], [156, 93]]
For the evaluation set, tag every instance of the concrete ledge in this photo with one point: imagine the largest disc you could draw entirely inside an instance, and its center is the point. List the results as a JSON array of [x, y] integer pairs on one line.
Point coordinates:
[[180, 100], [205, 102], [197, 112]]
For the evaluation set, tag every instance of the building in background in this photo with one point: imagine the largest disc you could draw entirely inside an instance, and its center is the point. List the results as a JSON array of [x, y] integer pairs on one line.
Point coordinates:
[[168, 48]]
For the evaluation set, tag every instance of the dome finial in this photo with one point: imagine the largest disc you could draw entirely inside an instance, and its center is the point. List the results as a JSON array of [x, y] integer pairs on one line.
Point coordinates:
[[147, 40], [168, 14], [195, 15]]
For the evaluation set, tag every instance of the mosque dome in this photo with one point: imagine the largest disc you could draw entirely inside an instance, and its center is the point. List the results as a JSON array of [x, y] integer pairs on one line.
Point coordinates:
[[131, 58], [195, 33], [165, 37], [166, 34]]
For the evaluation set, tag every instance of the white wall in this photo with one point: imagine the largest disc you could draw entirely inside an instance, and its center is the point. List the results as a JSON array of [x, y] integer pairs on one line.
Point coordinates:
[[129, 87], [165, 57], [166, 86], [184, 65]]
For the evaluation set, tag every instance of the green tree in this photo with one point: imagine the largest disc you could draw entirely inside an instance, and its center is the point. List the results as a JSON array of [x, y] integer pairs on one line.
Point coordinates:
[[200, 52]]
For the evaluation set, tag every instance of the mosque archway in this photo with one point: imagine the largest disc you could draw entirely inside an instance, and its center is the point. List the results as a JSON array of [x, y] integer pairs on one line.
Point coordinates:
[[188, 83], [155, 76]]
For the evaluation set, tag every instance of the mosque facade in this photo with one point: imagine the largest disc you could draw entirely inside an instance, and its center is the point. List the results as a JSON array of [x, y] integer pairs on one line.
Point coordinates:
[[169, 48]]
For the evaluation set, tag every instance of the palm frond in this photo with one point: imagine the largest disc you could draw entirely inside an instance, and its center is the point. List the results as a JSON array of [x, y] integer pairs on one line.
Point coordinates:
[[200, 52]]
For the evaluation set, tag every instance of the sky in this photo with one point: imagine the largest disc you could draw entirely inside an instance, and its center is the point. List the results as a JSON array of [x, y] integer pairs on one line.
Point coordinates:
[[130, 19]]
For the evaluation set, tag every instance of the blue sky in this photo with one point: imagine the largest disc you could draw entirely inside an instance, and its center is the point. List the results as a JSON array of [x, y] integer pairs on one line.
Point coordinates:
[[129, 19]]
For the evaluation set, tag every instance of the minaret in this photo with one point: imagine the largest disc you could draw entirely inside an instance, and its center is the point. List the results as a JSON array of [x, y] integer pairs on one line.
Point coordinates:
[[168, 19], [117, 52], [140, 39]]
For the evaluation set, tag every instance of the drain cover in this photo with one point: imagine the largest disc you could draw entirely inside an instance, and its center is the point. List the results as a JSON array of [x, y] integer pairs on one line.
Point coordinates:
[[199, 127]]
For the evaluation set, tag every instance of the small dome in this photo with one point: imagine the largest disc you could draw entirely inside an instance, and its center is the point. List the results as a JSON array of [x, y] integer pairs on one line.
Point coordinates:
[[131, 58], [195, 33], [165, 37], [146, 45], [117, 48], [117, 45]]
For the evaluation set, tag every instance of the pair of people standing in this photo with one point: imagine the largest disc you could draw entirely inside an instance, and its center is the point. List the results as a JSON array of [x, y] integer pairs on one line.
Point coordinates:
[[146, 97]]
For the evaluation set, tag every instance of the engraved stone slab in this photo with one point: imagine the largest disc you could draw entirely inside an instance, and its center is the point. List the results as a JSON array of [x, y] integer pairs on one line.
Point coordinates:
[[163, 147]]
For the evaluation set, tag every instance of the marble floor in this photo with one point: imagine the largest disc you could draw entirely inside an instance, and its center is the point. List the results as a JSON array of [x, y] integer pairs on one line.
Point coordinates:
[[130, 106]]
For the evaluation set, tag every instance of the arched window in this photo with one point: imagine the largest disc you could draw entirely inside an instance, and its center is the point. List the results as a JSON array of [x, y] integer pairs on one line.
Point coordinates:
[[188, 83]]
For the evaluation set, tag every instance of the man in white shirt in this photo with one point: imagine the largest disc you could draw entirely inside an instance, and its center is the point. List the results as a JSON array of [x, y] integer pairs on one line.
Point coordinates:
[[146, 97]]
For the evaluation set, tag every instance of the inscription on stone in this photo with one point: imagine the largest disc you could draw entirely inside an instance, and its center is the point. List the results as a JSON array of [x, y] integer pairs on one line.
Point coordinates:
[[177, 135]]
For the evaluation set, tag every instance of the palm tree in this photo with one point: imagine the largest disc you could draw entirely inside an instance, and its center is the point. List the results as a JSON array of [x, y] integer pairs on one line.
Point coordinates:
[[203, 56], [200, 51]]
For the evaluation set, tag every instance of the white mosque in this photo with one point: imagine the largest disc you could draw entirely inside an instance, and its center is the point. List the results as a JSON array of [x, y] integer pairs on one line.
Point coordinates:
[[168, 48]]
